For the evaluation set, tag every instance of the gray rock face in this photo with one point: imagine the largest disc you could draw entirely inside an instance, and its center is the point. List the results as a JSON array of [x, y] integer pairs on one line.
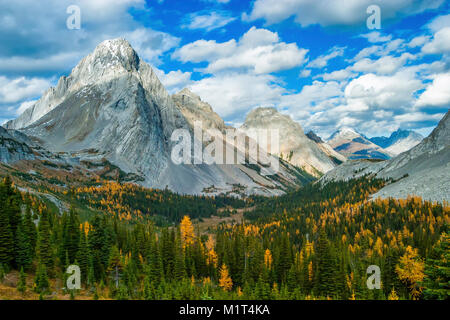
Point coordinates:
[[423, 171], [14, 148], [194, 109], [113, 106], [295, 146]]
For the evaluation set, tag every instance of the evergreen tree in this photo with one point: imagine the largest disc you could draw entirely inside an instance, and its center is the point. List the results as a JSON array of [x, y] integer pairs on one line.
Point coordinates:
[[23, 250], [41, 281], [326, 268], [6, 240], [44, 247], [437, 271], [22, 284]]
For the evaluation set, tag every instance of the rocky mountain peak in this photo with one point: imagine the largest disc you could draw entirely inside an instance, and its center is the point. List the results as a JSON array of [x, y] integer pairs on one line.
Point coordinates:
[[344, 133], [115, 52], [194, 109]]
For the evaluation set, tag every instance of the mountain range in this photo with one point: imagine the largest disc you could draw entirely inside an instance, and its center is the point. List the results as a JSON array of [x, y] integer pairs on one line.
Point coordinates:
[[113, 117], [423, 170], [112, 107], [399, 141]]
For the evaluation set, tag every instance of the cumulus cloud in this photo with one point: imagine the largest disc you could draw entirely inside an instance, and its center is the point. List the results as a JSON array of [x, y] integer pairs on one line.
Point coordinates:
[[440, 42], [337, 12], [258, 51], [232, 95], [174, 81], [383, 65], [18, 89], [208, 20], [33, 43], [437, 94]]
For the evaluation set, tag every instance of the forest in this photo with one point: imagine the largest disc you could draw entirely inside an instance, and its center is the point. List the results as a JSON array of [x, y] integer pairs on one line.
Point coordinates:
[[313, 243]]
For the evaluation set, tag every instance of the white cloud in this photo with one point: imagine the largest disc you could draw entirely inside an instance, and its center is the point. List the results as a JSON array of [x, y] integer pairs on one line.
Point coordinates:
[[259, 51], [312, 98], [322, 60], [342, 74], [440, 42], [232, 95], [439, 23], [174, 81], [19, 89], [375, 37], [336, 12], [209, 21], [383, 65], [35, 38], [151, 44], [418, 41], [202, 50], [437, 94], [394, 92]]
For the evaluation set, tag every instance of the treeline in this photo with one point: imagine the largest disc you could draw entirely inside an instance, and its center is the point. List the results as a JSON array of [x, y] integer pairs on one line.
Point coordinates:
[[317, 247], [132, 202]]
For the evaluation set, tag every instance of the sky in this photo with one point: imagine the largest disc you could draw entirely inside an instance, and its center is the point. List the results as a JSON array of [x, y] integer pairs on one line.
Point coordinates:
[[319, 61]]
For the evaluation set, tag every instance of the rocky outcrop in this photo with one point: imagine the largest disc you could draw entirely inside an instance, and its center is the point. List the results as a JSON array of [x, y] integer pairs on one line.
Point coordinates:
[[295, 146]]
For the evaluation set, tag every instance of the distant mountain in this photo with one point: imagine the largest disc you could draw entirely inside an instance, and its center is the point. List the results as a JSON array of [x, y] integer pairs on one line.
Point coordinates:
[[336, 157], [295, 146], [354, 145], [113, 107], [194, 109], [399, 141], [423, 171]]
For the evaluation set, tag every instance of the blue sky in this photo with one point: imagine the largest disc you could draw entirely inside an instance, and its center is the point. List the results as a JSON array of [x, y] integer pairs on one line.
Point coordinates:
[[315, 60]]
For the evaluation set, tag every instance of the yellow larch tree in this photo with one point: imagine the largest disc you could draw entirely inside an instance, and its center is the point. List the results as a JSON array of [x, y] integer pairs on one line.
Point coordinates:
[[410, 270], [187, 232], [225, 281], [268, 259]]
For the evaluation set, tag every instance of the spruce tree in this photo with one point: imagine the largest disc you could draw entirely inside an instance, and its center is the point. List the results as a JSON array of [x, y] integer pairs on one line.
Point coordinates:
[[22, 284], [24, 250], [326, 268], [6, 240], [44, 246], [437, 271], [41, 282]]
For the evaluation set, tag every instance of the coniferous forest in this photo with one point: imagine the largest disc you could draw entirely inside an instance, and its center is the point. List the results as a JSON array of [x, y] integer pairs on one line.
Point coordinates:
[[313, 243]]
